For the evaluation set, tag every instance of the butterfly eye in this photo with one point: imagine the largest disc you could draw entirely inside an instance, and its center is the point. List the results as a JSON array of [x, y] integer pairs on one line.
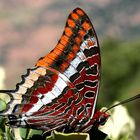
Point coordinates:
[[12, 120], [11, 117]]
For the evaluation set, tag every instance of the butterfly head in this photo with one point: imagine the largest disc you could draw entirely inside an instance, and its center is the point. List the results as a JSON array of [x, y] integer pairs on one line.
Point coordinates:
[[12, 120]]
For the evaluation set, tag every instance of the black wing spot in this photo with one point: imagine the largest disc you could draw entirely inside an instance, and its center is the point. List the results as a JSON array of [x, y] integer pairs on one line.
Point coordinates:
[[89, 94], [92, 70], [90, 32], [74, 77], [80, 109], [88, 105], [91, 83], [86, 36], [80, 86], [59, 106]]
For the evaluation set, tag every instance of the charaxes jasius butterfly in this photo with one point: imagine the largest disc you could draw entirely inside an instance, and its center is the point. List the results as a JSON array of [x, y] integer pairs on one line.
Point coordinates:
[[61, 91]]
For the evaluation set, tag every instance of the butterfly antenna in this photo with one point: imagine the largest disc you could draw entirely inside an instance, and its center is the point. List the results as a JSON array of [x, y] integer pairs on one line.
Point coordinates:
[[6, 91], [3, 116], [125, 101]]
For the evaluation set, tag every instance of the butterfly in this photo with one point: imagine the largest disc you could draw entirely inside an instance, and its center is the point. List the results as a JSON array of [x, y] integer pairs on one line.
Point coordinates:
[[61, 91]]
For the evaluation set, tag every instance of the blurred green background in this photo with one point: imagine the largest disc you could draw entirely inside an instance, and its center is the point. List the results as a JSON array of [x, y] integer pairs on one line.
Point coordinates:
[[30, 29]]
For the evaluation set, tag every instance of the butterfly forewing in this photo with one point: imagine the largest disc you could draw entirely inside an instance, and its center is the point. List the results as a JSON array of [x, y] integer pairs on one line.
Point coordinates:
[[62, 89]]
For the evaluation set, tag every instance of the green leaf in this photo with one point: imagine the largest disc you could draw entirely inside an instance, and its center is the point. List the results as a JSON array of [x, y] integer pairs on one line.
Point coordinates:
[[1, 135], [2, 105], [71, 136], [29, 133]]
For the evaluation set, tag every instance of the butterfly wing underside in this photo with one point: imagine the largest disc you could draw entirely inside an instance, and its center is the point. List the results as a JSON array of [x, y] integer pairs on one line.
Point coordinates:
[[62, 89]]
